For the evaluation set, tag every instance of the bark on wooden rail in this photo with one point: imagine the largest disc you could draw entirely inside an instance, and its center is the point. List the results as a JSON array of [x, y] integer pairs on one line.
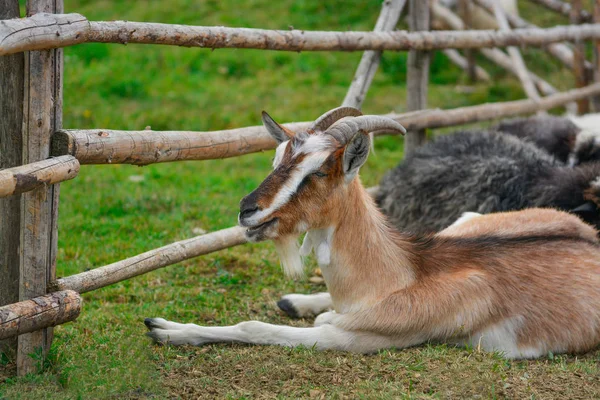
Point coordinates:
[[100, 146], [151, 260], [46, 31], [40, 312], [46, 172]]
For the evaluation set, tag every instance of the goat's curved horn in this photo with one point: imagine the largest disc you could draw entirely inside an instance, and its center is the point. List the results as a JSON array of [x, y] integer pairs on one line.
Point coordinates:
[[343, 131], [331, 116]]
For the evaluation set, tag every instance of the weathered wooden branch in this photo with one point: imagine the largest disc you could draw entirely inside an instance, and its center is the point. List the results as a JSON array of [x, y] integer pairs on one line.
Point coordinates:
[[151, 260], [515, 55], [100, 146], [40, 312], [595, 101], [295, 40], [42, 31], [495, 55], [563, 8], [46, 172], [579, 63], [466, 11], [560, 51], [463, 63], [417, 73], [388, 18]]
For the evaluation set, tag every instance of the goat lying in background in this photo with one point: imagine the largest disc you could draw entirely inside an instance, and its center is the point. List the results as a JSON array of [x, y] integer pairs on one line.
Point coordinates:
[[572, 140], [483, 172], [522, 283]]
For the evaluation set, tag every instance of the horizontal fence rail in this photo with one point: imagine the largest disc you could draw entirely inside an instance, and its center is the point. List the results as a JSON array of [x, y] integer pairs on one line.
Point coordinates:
[[151, 260], [101, 146], [40, 312], [44, 31], [30, 176]]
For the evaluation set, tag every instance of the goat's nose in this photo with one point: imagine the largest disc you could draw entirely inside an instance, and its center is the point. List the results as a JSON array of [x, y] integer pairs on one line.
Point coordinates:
[[248, 207]]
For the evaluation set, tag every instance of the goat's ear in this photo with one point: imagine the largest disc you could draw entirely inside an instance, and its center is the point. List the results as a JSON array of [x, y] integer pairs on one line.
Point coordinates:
[[355, 155], [279, 132]]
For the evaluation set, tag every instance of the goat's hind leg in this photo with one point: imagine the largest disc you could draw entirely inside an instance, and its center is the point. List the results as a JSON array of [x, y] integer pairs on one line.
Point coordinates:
[[305, 305], [323, 337]]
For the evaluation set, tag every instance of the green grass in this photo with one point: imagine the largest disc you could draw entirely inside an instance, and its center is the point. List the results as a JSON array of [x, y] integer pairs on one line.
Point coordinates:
[[106, 215]]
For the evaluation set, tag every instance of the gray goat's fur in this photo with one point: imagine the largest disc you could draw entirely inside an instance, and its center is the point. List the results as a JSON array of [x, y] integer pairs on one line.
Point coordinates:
[[569, 139], [482, 172]]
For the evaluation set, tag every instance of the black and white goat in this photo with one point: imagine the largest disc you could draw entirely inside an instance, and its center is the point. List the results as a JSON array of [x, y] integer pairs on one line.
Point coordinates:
[[483, 172], [573, 140]]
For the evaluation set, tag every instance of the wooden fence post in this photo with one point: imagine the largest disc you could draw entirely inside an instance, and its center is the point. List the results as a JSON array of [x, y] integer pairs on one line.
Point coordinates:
[[11, 143], [417, 76], [42, 115], [595, 101], [465, 13], [581, 75]]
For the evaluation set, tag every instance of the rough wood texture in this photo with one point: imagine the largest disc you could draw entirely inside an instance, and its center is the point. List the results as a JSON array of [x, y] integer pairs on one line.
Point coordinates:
[[42, 31], [98, 146], [595, 101], [40, 312], [579, 68], [39, 207], [388, 18], [495, 55], [563, 8], [560, 51], [483, 112], [464, 7], [151, 260], [515, 55], [417, 73], [31, 176], [296, 40], [462, 62], [11, 143]]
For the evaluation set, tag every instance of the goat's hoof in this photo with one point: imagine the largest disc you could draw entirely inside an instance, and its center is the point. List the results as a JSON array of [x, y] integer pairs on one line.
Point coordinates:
[[152, 323], [287, 307]]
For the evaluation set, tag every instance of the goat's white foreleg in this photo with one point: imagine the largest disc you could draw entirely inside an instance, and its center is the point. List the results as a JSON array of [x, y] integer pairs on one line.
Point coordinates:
[[254, 332], [305, 305]]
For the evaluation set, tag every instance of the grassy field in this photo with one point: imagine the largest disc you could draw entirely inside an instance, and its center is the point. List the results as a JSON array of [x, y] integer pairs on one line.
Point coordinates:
[[112, 212]]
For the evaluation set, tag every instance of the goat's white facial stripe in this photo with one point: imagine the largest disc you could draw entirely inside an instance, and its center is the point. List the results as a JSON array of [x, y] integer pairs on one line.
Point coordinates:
[[279, 151], [314, 144], [309, 165]]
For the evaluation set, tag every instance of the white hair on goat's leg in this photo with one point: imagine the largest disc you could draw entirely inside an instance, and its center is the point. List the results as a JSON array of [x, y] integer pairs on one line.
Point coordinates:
[[289, 254]]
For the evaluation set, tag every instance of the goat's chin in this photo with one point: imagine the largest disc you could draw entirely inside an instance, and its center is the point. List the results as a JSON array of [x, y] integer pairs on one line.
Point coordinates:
[[289, 254]]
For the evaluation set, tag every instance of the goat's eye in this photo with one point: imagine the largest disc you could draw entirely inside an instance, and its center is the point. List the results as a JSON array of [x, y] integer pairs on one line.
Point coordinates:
[[320, 174]]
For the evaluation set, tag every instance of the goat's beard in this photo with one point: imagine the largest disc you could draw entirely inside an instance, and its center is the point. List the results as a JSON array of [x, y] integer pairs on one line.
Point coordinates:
[[289, 254]]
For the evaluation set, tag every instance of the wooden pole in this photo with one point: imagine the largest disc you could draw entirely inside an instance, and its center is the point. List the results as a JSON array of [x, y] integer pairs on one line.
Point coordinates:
[[39, 208], [595, 101], [99, 146], [579, 69], [495, 55], [563, 8], [152, 260], [28, 177], [516, 57], [465, 11], [463, 63], [560, 51], [246, 38], [417, 74], [11, 143], [40, 312], [388, 18]]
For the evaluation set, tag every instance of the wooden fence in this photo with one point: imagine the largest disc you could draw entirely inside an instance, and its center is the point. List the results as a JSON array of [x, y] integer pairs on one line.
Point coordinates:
[[36, 153]]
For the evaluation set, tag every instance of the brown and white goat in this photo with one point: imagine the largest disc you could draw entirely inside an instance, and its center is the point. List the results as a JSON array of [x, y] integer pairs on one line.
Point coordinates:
[[521, 283]]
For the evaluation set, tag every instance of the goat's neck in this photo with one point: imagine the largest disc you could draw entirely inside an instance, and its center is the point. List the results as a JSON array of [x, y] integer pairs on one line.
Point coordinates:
[[361, 257]]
